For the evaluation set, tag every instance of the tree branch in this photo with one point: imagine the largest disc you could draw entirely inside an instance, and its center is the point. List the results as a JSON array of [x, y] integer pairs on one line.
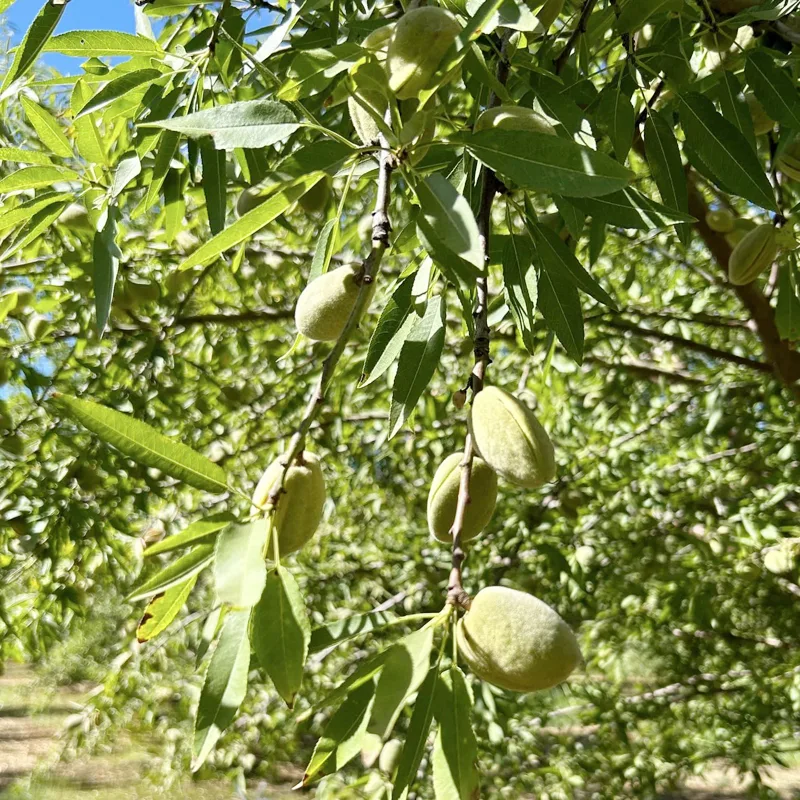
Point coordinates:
[[381, 228], [456, 595], [699, 347], [580, 29]]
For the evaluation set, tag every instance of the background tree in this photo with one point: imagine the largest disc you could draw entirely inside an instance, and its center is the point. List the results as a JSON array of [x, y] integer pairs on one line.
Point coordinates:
[[161, 215]]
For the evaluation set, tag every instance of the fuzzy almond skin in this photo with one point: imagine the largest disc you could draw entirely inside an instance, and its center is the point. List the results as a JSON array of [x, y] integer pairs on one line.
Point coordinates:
[[419, 40], [789, 161], [513, 118], [390, 756], [300, 506], [510, 439], [721, 221], [443, 498], [325, 305], [515, 641], [316, 198], [753, 255]]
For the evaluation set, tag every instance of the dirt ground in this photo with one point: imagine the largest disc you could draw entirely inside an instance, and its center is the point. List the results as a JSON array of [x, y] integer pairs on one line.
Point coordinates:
[[30, 723]]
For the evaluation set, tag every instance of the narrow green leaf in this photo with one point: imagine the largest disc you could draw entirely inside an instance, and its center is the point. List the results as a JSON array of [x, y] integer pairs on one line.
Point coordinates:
[[341, 740], [35, 177], [787, 312], [19, 156], [167, 148], [774, 88], [361, 675], [88, 140], [251, 123], [47, 128], [323, 250], [520, 285], [40, 31], [402, 674], [312, 70], [635, 13], [118, 87], [281, 633], [417, 736], [725, 150], [86, 44], [105, 262], [145, 444], [174, 203], [390, 333], [631, 209], [176, 572], [162, 609], [615, 115], [24, 211], [128, 169], [545, 163], [225, 685], [252, 222], [240, 569], [559, 302], [448, 213], [35, 227], [557, 257], [209, 632], [214, 182], [666, 167], [345, 629], [455, 752], [418, 361], [202, 531], [734, 107]]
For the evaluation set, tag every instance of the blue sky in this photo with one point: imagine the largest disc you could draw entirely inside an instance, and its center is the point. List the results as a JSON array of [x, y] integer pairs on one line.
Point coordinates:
[[78, 15]]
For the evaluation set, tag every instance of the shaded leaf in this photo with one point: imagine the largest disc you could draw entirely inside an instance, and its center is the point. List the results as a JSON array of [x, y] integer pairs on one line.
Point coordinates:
[[341, 740], [176, 572], [417, 735], [281, 633], [455, 752], [118, 87], [214, 184], [345, 629], [631, 209], [725, 150], [224, 687], [448, 214], [105, 262], [405, 669], [201, 531], [520, 284], [240, 569], [547, 163], [774, 88], [391, 331], [419, 358]]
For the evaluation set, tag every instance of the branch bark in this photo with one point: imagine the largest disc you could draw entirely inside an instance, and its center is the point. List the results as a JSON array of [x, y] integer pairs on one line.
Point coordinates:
[[456, 595], [381, 228]]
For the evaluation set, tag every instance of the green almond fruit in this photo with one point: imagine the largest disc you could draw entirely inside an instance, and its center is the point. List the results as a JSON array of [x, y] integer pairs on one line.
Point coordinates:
[[300, 504], [510, 439], [420, 39], [753, 254], [515, 641], [390, 756], [316, 198], [325, 305], [443, 498], [721, 220], [762, 122], [513, 118]]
